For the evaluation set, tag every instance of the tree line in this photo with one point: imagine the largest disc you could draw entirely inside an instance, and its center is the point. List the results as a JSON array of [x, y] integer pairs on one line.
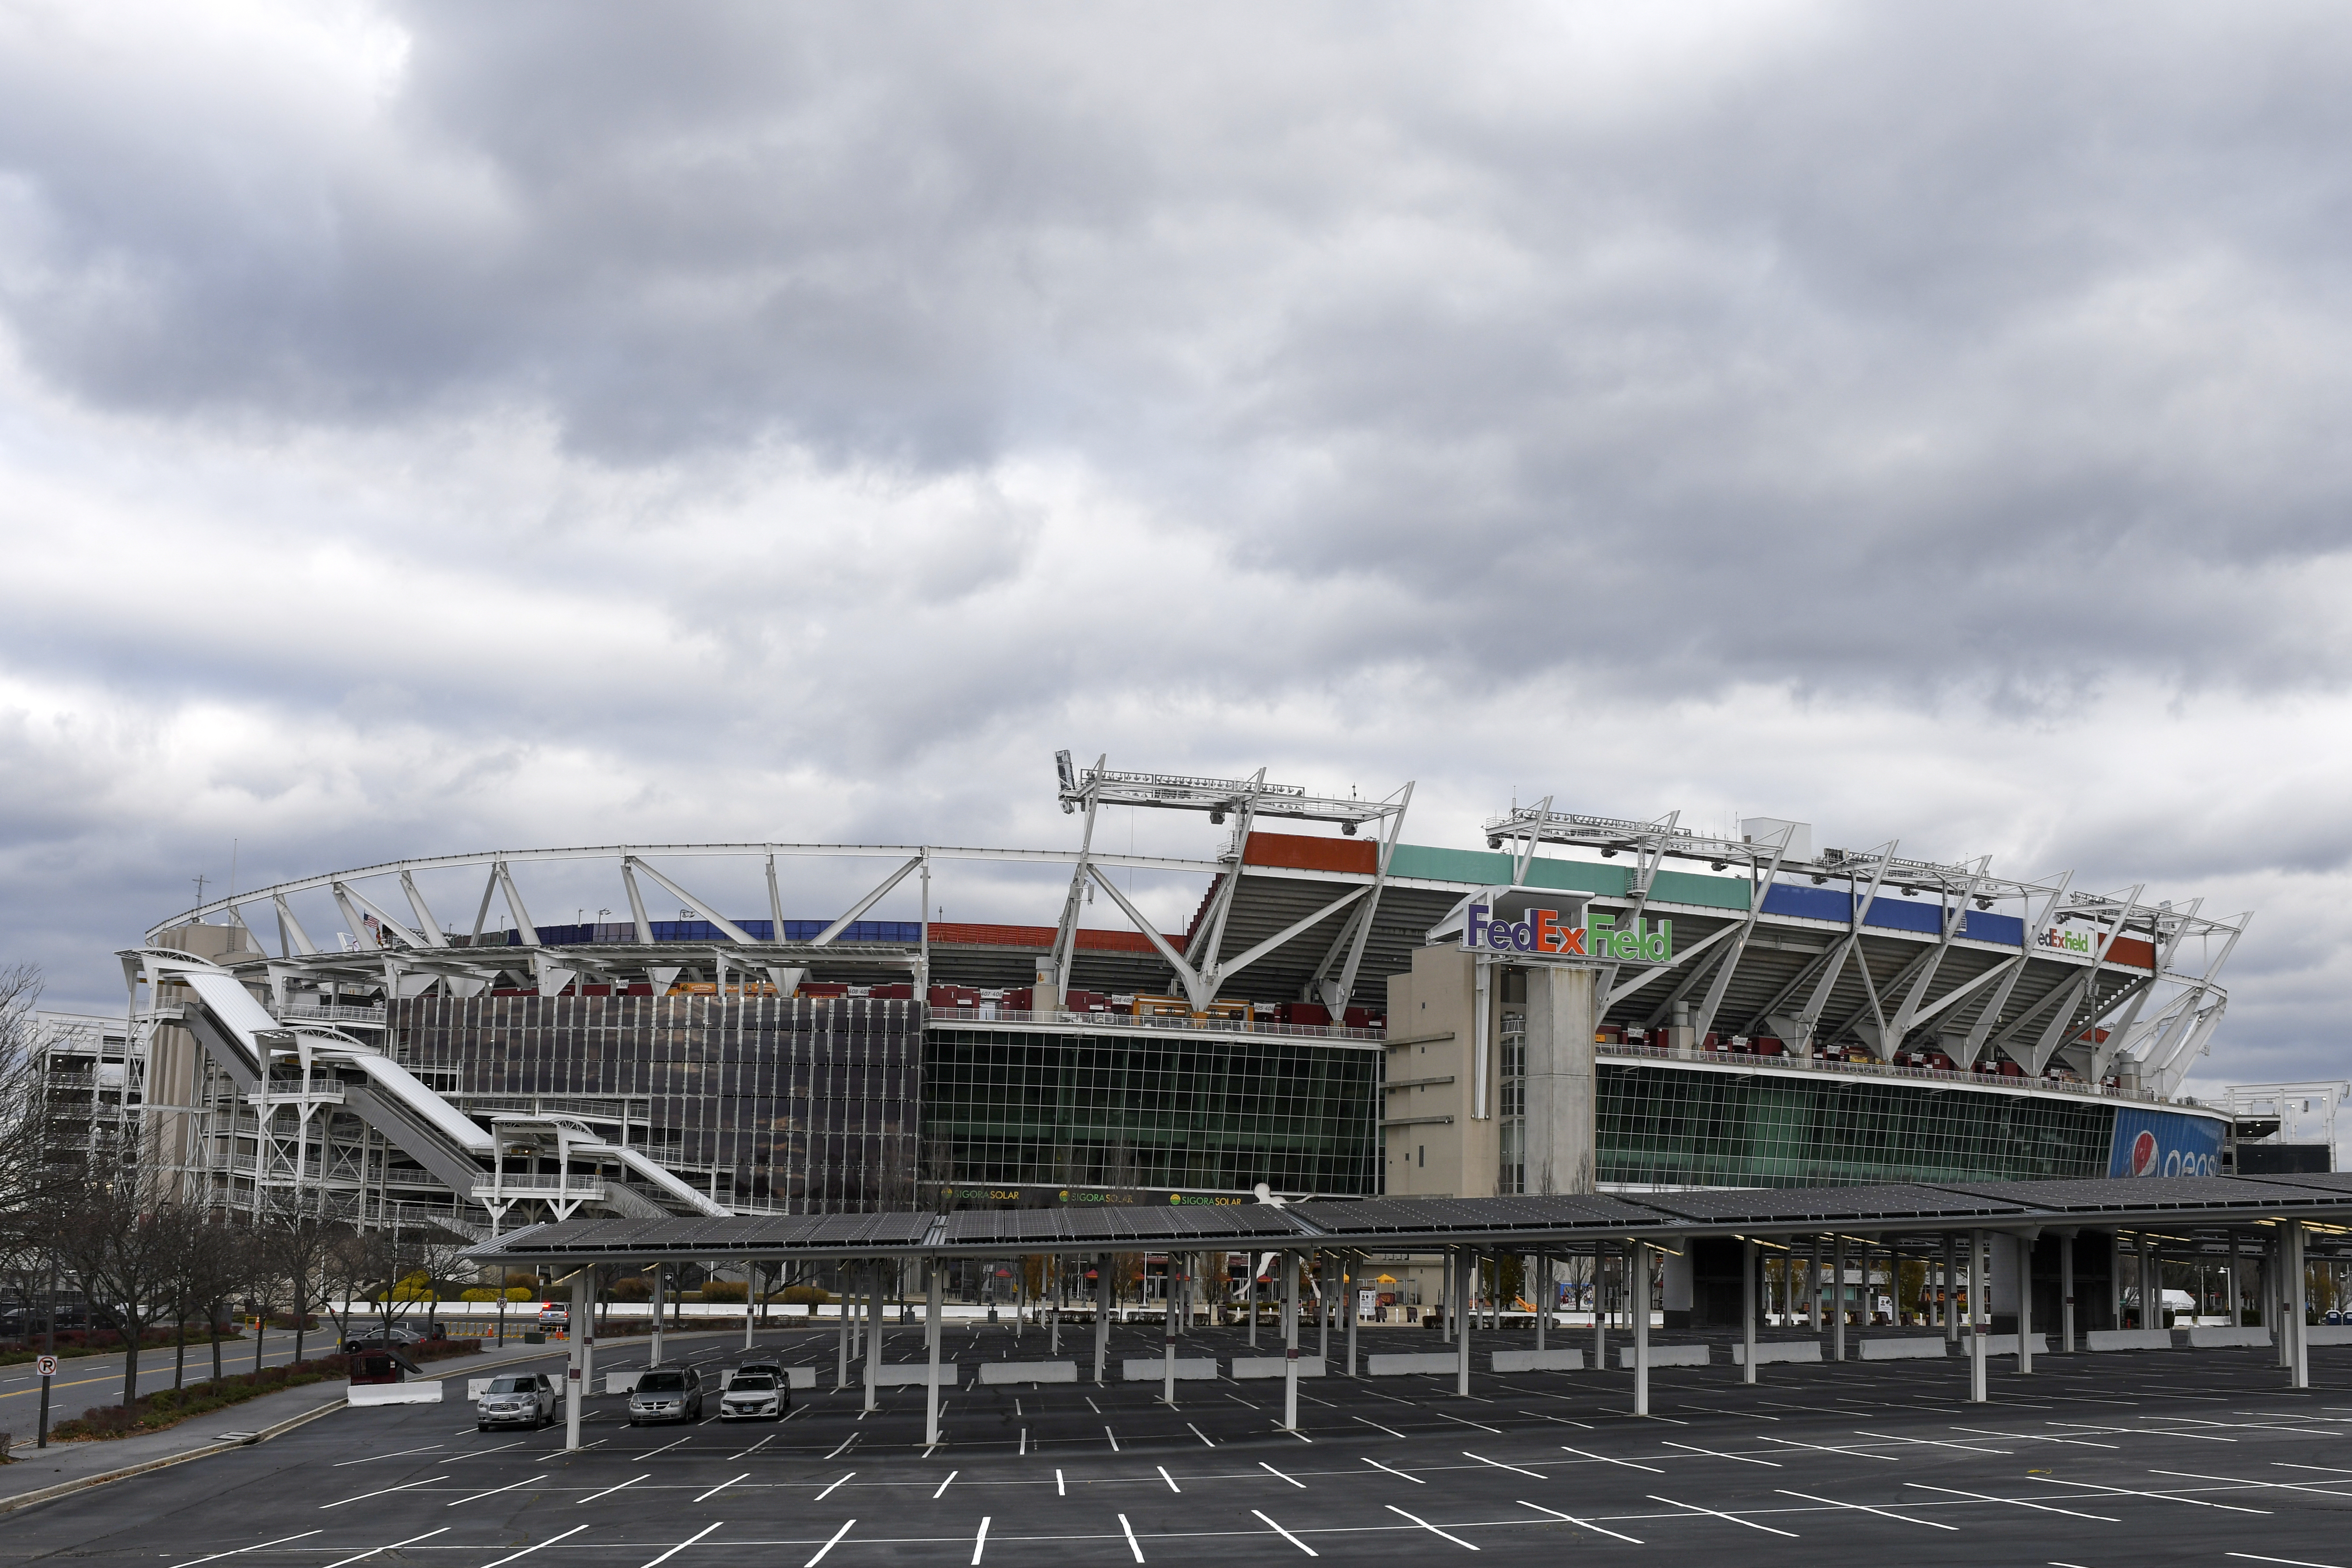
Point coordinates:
[[114, 1224]]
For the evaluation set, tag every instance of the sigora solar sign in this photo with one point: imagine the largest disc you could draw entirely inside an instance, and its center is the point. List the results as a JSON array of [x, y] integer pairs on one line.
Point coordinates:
[[1543, 931]]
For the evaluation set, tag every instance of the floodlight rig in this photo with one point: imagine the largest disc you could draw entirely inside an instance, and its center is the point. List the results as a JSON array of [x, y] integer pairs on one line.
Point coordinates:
[[1201, 970]]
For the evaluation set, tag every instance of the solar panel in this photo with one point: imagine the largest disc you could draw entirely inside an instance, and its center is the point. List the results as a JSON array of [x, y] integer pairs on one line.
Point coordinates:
[[1867, 1203], [1120, 1226], [2182, 1194], [1391, 1216]]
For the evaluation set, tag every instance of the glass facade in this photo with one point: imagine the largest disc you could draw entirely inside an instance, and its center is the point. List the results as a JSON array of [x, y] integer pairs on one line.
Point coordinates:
[[797, 1106], [1179, 1111], [1668, 1127]]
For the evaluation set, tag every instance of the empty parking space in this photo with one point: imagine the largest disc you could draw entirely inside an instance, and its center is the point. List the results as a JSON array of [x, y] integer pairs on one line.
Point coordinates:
[[2091, 1460]]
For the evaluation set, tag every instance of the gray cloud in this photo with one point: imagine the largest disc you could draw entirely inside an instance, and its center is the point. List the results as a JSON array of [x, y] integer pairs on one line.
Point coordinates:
[[458, 425]]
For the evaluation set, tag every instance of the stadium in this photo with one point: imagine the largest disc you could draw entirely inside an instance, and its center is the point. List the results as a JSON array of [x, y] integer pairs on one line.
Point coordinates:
[[1583, 1002]]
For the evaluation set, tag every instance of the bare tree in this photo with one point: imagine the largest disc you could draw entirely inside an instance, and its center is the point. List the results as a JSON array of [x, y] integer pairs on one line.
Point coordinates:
[[123, 1233], [217, 1264], [296, 1247], [30, 1178]]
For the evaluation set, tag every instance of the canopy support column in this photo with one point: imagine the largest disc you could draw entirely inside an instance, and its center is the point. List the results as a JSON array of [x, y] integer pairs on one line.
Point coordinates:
[[1641, 1306], [1977, 1323], [931, 1307], [1747, 1307]]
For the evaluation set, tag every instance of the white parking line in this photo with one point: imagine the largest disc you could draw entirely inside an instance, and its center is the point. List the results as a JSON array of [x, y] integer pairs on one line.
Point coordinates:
[[980, 1542], [1717, 1513], [723, 1486], [396, 1454], [1429, 1527], [2033, 1438], [1114, 1439], [1717, 1454], [1605, 1459], [2327, 1490], [384, 1491], [2126, 1491], [1481, 1427], [496, 1490], [1200, 1434], [664, 1448], [1984, 1497], [388, 1546], [1416, 1480], [257, 1546], [527, 1551], [1370, 1422], [608, 1491], [1287, 1536], [1498, 1463], [1929, 1442], [829, 1545], [1865, 1508], [828, 1491], [1270, 1470], [1168, 1479], [690, 1540], [1571, 1519], [1132, 1544], [2292, 1562]]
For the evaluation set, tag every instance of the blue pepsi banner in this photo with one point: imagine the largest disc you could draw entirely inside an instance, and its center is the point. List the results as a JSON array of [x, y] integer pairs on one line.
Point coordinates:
[[2164, 1143]]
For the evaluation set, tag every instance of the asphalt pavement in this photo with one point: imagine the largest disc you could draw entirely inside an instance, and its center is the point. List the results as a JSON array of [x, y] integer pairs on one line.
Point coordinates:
[[2093, 1460]]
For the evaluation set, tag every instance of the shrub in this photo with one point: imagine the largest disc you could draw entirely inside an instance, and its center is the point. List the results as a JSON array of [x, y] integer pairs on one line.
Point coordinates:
[[723, 1290], [631, 1290], [806, 1296]]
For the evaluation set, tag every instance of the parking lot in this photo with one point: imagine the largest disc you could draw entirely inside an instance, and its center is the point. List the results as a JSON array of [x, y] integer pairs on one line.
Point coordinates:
[[2180, 1458]]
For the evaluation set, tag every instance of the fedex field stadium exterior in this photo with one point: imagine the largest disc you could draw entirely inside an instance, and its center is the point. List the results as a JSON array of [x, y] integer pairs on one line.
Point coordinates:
[[1339, 1017]]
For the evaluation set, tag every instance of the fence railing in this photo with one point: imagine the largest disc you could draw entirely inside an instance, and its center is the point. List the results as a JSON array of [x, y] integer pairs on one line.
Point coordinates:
[[1883, 1069], [1181, 1024]]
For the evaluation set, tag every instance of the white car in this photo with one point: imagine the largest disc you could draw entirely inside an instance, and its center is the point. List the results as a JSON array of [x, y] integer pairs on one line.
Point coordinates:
[[755, 1396], [522, 1399]]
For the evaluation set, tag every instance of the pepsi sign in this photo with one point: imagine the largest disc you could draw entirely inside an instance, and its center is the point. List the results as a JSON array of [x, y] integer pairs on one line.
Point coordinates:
[[2164, 1143]]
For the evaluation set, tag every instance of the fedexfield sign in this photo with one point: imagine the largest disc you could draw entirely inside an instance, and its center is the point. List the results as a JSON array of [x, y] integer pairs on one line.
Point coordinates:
[[1543, 931]]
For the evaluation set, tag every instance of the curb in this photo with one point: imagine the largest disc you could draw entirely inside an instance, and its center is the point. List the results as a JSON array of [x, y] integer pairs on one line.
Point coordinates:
[[66, 1489]]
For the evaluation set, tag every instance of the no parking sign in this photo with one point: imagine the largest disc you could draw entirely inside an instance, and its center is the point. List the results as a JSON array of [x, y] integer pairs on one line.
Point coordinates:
[[46, 1365]]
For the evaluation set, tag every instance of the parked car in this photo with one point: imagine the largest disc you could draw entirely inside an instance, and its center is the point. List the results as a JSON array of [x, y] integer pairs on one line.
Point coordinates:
[[667, 1393], [756, 1394], [522, 1399], [373, 1335]]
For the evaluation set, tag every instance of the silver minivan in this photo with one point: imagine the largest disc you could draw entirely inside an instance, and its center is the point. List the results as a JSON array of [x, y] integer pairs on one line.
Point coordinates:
[[667, 1393]]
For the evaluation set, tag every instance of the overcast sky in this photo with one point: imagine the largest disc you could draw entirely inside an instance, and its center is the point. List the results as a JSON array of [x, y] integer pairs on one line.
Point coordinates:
[[426, 428]]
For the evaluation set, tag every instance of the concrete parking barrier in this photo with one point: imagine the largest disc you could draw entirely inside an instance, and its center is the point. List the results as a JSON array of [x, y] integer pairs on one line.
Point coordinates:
[[1152, 1369], [1910, 1347], [898, 1374], [1249, 1366], [1770, 1352], [1668, 1355], [620, 1382], [2128, 1340], [996, 1372], [1411, 1364], [1540, 1361], [2326, 1335], [2222, 1336], [2006, 1344], [393, 1393], [806, 1376]]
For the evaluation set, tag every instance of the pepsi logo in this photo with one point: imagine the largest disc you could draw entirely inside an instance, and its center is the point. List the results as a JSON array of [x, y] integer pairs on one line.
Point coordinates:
[[2143, 1155]]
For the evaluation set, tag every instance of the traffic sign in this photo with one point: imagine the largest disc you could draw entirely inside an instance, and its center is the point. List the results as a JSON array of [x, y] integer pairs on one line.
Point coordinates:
[[46, 1365]]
